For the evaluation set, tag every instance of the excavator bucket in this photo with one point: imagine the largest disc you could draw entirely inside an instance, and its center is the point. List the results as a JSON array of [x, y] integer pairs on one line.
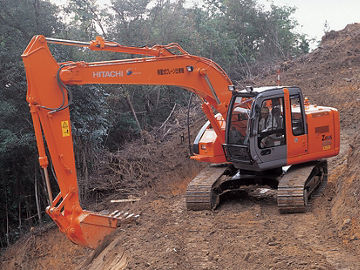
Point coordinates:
[[101, 225], [86, 228]]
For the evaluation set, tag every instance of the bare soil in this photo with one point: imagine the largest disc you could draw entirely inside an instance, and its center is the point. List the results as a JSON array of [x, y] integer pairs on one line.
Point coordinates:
[[246, 231]]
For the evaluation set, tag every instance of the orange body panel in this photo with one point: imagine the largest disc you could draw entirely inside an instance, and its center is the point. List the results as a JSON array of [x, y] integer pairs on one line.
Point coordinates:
[[210, 145], [51, 117], [323, 134]]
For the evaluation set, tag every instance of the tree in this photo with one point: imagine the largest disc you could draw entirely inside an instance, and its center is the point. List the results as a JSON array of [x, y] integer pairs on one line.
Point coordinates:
[[19, 21]]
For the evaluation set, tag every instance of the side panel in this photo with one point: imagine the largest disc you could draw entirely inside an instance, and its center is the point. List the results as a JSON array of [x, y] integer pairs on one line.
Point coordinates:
[[324, 136], [207, 145], [321, 132]]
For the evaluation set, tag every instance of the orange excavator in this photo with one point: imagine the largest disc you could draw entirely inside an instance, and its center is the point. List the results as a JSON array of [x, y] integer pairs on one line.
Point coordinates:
[[268, 136]]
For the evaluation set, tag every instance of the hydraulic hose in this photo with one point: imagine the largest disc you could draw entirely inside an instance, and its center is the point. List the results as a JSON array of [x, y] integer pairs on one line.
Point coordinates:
[[62, 86], [188, 123]]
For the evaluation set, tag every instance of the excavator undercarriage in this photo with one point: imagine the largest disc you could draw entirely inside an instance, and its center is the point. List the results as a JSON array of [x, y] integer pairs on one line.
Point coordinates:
[[296, 185]]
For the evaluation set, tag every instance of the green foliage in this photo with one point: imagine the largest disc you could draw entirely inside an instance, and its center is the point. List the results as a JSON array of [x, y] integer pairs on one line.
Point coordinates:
[[89, 112], [250, 35]]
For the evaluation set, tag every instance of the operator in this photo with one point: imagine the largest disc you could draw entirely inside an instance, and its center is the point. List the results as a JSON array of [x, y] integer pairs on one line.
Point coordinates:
[[265, 121], [265, 125], [276, 117]]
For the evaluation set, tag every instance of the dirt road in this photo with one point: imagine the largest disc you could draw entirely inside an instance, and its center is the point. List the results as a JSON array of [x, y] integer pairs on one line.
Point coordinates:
[[243, 233]]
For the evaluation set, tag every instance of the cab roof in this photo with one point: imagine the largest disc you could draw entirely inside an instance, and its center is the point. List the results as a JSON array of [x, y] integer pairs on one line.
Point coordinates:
[[254, 91]]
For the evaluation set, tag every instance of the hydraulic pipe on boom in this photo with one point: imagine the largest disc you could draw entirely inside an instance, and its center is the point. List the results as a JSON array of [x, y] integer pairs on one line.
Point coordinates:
[[48, 99]]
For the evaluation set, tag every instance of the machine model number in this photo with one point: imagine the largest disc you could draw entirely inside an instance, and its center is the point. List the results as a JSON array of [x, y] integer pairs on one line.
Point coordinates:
[[327, 147], [170, 71]]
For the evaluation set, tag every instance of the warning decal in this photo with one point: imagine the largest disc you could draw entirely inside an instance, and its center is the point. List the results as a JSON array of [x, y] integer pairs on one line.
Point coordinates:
[[65, 128]]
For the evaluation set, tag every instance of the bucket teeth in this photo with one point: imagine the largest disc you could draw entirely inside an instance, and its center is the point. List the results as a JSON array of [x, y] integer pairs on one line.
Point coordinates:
[[118, 214], [104, 212], [129, 216], [121, 216], [114, 213], [124, 216]]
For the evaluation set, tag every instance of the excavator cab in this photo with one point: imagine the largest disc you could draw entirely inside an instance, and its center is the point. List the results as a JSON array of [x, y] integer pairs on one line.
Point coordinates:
[[267, 128], [271, 127], [255, 132]]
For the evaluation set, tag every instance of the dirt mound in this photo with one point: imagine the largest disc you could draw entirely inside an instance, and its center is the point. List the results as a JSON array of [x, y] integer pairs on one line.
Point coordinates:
[[346, 206], [43, 248], [154, 163]]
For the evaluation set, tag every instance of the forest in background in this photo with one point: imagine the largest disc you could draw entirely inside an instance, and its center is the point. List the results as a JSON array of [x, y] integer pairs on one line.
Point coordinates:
[[239, 35]]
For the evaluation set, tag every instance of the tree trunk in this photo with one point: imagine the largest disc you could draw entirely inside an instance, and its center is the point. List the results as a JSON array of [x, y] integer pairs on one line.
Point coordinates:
[[7, 218], [85, 173], [18, 194], [19, 207], [133, 112], [158, 97], [36, 11]]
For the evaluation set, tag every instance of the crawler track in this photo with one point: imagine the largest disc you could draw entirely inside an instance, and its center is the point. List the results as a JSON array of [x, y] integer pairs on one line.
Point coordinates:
[[298, 185], [200, 194]]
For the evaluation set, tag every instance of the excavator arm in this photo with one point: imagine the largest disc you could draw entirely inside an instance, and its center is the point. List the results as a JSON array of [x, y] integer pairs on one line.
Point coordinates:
[[49, 102]]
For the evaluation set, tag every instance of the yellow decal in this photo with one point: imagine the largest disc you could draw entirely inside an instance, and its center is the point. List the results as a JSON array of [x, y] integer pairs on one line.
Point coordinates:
[[327, 147], [65, 128]]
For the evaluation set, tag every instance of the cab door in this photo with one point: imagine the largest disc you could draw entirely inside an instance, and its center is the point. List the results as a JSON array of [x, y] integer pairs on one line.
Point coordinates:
[[270, 143], [296, 131]]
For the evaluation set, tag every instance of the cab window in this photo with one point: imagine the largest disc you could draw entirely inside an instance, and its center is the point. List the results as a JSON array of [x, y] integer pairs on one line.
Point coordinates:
[[239, 124], [271, 127], [297, 120]]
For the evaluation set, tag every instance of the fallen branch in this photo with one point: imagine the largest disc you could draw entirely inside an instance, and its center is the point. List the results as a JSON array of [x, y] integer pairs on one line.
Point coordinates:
[[128, 100], [125, 200], [167, 119], [166, 133]]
